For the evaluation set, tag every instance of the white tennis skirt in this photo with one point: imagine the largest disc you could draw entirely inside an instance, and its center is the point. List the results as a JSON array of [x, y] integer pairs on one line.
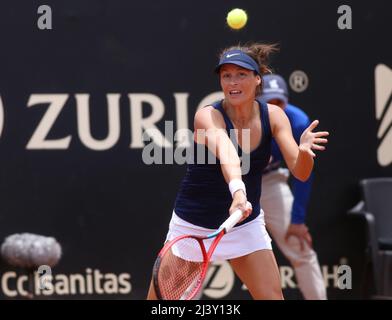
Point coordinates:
[[238, 242]]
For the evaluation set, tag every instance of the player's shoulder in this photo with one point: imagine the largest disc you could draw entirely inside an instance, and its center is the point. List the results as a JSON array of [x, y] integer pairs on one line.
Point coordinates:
[[208, 116], [207, 111], [274, 110], [276, 115]]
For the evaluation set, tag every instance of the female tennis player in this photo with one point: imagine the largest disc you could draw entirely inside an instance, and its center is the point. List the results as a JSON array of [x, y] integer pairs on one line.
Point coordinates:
[[211, 191]]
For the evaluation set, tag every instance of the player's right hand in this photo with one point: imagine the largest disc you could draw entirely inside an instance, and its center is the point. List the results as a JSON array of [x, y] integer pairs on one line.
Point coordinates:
[[240, 202]]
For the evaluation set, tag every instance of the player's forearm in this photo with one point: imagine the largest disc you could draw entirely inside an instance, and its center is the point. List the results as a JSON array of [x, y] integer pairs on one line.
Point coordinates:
[[231, 170], [230, 165], [303, 165], [223, 149]]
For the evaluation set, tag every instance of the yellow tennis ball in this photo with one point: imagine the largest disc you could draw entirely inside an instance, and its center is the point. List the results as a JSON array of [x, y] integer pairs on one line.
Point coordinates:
[[237, 18]]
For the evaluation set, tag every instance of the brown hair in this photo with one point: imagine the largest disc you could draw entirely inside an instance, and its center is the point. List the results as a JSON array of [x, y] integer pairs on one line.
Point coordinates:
[[260, 52]]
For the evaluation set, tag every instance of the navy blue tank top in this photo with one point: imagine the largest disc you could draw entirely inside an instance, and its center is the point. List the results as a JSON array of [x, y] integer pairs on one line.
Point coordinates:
[[204, 197]]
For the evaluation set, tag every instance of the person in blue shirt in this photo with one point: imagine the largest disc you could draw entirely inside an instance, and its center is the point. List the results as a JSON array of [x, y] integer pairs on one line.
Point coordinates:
[[230, 131], [285, 207]]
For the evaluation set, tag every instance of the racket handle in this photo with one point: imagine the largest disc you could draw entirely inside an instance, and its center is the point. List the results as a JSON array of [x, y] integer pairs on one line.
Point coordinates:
[[233, 219]]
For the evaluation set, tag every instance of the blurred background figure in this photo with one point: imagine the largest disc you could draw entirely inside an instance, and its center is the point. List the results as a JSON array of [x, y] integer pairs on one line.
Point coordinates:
[[285, 207]]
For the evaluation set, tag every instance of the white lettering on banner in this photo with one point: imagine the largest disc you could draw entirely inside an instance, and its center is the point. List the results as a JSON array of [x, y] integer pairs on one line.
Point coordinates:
[[38, 139], [48, 290], [287, 277], [182, 120], [330, 275], [83, 116], [91, 282], [341, 276], [77, 281], [142, 128], [139, 124], [20, 285], [4, 284]]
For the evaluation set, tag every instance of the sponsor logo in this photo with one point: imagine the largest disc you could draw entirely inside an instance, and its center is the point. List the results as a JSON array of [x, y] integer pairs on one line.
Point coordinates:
[[232, 55], [145, 111], [298, 81], [274, 84], [219, 280], [46, 283]]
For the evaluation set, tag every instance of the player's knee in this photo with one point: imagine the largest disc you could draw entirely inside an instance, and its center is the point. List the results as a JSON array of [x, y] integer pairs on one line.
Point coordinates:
[[271, 293], [270, 290], [276, 293]]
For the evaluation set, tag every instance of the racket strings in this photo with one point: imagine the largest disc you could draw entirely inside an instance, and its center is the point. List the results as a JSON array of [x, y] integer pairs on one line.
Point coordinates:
[[180, 269]]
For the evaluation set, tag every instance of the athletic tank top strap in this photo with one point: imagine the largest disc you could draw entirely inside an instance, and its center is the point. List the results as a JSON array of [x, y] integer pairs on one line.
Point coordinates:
[[229, 125], [264, 118], [218, 105], [264, 115]]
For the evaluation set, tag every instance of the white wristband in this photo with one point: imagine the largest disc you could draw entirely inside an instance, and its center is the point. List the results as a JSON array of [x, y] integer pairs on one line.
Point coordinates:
[[235, 185]]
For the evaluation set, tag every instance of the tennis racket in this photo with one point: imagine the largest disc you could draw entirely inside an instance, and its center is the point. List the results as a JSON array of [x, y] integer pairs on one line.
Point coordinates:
[[182, 264]]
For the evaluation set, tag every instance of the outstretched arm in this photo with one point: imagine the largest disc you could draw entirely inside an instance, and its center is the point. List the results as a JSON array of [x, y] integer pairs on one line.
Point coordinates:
[[210, 131], [299, 159]]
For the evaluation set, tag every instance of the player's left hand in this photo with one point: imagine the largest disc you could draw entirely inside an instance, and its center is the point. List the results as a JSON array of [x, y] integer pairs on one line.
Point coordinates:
[[311, 140], [301, 232]]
